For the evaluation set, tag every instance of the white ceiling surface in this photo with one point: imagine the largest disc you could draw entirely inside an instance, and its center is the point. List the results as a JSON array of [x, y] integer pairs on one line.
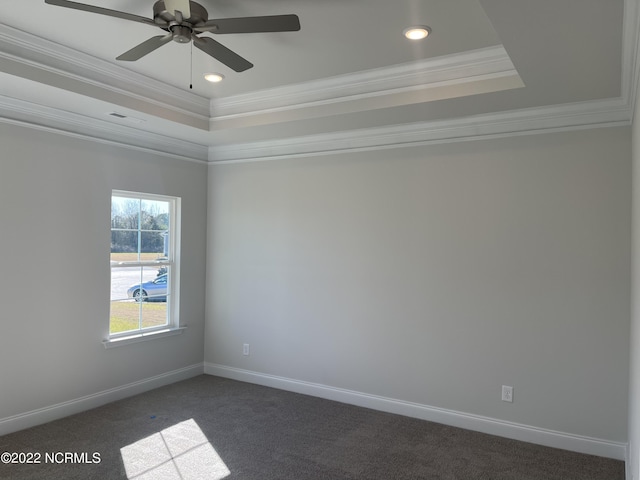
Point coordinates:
[[349, 68]]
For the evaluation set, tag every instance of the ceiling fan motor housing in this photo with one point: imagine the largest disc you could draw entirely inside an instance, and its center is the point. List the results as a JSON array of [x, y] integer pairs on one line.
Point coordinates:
[[182, 31], [198, 13]]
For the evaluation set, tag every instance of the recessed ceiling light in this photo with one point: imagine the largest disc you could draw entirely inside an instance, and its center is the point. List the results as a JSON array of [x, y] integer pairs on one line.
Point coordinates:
[[213, 77], [417, 33]]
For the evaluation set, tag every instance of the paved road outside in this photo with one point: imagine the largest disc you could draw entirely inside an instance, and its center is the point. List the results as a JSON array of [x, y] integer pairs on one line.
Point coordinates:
[[123, 278]]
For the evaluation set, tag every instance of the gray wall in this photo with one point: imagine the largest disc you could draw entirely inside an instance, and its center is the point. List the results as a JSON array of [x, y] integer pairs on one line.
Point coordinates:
[[633, 462], [431, 275], [434, 275], [55, 196]]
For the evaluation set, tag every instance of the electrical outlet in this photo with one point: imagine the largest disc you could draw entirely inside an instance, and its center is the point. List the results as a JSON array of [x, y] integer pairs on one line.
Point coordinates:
[[507, 393], [245, 349]]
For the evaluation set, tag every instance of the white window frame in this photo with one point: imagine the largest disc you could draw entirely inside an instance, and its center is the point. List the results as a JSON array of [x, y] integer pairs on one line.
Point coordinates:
[[173, 279]]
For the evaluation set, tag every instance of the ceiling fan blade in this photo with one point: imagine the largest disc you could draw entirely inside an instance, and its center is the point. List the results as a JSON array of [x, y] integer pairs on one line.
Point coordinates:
[[101, 11], [270, 23], [222, 53], [181, 6], [145, 47]]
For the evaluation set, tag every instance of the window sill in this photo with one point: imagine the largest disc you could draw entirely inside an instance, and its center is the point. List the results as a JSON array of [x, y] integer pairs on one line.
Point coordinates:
[[142, 337]]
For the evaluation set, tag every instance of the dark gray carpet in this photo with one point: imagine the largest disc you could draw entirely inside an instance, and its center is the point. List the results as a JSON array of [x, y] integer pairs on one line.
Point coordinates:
[[213, 428]]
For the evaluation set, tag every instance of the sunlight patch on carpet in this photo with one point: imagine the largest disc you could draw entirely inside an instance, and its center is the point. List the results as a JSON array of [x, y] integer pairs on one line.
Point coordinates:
[[180, 452]]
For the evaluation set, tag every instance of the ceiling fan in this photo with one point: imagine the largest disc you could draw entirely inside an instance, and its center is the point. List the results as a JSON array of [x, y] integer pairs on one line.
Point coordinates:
[[184, 19]]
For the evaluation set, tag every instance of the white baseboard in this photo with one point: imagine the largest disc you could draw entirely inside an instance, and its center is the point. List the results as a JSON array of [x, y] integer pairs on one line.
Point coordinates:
[[526, 433], [71, 407]]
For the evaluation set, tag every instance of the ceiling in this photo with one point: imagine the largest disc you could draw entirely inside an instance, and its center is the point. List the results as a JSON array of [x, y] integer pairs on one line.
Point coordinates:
[[348, 79]]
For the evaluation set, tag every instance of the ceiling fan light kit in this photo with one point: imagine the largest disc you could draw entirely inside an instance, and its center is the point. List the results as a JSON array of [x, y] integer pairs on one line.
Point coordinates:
[[184, 20]]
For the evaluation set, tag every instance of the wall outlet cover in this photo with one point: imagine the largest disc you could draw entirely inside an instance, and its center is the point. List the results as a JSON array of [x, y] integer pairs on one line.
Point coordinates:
[[507, 393]]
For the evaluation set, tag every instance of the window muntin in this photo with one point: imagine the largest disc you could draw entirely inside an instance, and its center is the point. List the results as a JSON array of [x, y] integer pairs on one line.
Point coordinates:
[[143, 263]]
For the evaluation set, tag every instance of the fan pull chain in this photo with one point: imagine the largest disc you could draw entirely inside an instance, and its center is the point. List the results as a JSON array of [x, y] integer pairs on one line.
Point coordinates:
[[191, 69]]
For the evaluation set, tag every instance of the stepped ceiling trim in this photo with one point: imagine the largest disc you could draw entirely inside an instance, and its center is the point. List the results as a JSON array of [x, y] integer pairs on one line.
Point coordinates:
[[604, 113], [36, 116], [462, 67], [34, 58]]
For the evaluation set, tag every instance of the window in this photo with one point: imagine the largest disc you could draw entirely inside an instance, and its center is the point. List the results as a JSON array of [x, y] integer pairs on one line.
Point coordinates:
[[144, 271]]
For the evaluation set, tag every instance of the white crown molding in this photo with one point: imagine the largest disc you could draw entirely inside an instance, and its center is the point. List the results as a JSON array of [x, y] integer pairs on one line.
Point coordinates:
[[28, 56], [67, 123], [479, 65], [601, 113], [592, 114], [479, 423]]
